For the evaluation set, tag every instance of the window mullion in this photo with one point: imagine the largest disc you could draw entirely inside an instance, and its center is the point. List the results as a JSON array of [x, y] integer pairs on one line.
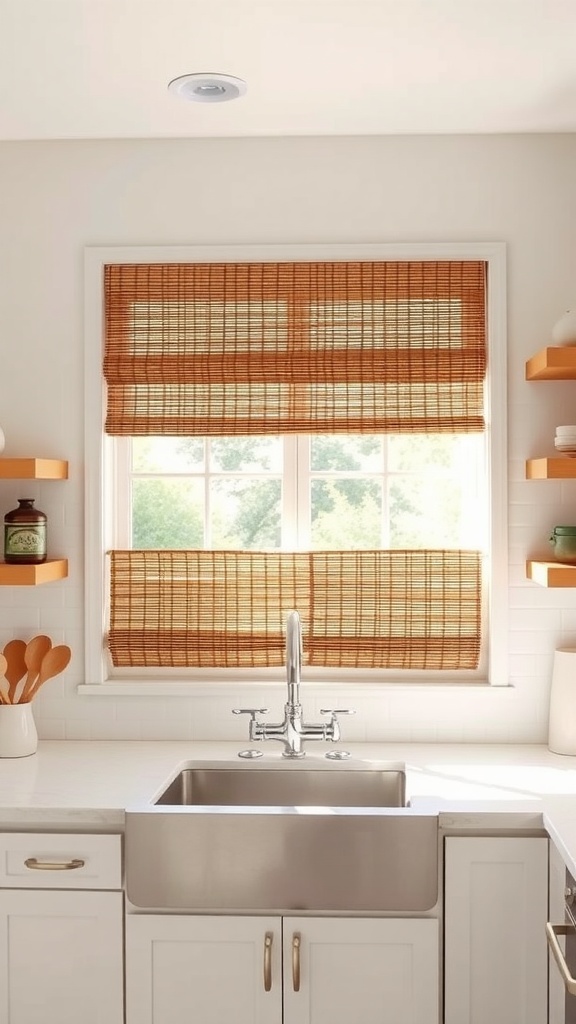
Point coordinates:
[[304, 492], [290, 494], [386, 501], [207, 493], [120, 510]]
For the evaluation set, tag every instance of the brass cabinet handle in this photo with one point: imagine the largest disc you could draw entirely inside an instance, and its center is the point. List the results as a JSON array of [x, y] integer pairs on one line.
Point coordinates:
[[268, 961], [45, 865], [296, 943], [552, 933]]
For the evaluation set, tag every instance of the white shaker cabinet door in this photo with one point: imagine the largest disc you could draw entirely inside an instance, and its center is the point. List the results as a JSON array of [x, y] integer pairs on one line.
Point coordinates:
[[203, 970], [61, 957], [495, 911], [361, 971]]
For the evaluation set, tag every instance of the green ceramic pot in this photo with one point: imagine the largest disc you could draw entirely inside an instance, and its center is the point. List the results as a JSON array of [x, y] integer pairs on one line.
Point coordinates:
[[563, 540]]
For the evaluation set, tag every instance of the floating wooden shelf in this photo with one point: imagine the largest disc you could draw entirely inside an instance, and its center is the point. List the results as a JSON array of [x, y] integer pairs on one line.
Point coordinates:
[[551, 469], [56, 568], [552, 364], [33, 469], [31, 575], [551, 574]]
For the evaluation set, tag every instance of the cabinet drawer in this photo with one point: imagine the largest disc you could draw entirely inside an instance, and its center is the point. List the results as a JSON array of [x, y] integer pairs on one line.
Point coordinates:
[[37, 860]]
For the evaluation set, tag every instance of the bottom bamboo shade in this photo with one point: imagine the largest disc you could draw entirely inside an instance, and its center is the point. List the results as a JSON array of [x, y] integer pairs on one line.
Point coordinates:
[[360, 609]]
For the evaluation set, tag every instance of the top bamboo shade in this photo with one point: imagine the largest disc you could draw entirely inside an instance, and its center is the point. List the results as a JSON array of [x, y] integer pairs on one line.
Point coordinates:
[[269, 348]]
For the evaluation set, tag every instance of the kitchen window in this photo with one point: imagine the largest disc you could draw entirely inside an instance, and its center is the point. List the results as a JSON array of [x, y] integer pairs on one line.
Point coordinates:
[[296, 433]]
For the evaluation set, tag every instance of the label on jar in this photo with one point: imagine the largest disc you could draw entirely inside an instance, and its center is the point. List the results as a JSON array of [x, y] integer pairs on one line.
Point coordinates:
[[25, 539]]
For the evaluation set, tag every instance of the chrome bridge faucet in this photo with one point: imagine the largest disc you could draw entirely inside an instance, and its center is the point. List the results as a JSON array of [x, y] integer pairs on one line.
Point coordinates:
[[293, 730]]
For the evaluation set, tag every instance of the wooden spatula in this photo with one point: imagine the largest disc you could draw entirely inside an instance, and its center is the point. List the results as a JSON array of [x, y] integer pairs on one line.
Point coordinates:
[[4, 687], [33, 655], [53, 662], [16, 666]]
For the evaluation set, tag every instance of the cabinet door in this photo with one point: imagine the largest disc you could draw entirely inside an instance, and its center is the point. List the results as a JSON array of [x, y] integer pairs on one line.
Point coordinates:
[[495, 953], [361, 971], [205, 970], [61, 957]]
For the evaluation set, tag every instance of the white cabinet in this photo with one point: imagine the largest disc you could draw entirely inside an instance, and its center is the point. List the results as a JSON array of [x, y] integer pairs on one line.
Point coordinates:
[[209, 970], [495, 912], [361, 971], [60, 957], [260, 970], [61, 933]]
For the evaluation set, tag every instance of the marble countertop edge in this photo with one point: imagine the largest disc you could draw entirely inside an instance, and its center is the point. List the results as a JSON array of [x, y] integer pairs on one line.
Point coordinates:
[[87, 785]]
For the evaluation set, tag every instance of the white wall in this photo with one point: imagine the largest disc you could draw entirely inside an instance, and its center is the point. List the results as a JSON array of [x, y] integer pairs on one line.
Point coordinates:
[[56, 198]]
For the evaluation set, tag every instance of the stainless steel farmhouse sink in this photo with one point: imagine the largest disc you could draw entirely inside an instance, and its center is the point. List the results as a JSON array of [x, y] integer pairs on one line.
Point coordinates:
[[231, 787], [334, 838]]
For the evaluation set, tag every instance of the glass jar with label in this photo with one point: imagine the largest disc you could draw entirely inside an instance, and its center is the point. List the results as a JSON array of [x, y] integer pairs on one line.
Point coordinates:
[[25, 534]]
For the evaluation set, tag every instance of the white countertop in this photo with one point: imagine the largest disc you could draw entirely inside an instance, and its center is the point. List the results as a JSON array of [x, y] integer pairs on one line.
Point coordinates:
[[87, 785]]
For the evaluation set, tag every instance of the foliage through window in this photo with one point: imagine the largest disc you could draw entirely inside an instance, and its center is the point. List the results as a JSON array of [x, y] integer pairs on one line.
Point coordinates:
[[330, 491]]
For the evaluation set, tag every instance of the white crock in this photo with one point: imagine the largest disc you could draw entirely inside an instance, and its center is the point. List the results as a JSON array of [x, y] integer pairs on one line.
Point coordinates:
[[18, 734]]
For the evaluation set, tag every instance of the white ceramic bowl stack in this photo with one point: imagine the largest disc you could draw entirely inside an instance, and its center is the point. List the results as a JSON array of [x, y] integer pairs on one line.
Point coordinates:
[[565, 440]]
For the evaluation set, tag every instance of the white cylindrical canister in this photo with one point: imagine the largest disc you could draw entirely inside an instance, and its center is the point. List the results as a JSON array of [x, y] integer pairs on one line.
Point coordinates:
[[562, 716]]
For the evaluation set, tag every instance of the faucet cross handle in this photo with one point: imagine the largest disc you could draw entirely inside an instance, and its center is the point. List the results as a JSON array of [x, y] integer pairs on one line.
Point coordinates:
[[254, 725], [251, 711], [332, 729], [337, 711]]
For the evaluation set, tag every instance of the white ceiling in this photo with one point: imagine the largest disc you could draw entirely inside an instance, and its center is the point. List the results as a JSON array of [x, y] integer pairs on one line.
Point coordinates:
[[77, 69]]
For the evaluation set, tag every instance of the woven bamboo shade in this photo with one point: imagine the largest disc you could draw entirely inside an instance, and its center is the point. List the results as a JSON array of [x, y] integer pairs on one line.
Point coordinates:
[[361, 609], [270, 348], [276, 348]]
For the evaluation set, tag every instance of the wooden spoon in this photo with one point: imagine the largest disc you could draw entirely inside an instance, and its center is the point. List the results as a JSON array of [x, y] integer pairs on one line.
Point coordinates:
[[4, 686], [53, 662], [33, 655], [16, 669]]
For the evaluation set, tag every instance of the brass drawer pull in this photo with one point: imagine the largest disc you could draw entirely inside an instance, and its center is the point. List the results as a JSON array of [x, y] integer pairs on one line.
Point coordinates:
[[296, 942], [268, 961], [45, 865]]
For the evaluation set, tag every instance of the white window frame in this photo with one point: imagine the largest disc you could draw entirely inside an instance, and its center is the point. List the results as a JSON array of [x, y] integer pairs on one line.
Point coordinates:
[[99, 507]]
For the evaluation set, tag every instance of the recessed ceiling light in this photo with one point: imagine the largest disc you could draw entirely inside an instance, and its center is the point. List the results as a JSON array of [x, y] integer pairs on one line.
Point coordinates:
[[205, 87]]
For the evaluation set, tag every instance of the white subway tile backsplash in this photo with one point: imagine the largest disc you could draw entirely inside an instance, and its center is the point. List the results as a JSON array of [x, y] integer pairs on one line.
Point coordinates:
[[112, 730], [533, 619], [213, 719], [177, 729], [49, 371], [153, 709], [52, 729], [532, 641], [78, 729]]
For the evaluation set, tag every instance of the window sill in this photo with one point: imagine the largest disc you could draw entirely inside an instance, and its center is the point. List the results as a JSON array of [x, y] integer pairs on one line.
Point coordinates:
[[244, 694]]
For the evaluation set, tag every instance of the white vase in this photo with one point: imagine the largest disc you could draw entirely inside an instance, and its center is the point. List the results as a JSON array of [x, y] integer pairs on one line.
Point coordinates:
[[18, 734], [564, 330]]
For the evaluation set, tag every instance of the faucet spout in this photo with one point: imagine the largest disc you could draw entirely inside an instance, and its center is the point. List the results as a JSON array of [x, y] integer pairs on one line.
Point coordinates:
[[293, 730], [293, 657]]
